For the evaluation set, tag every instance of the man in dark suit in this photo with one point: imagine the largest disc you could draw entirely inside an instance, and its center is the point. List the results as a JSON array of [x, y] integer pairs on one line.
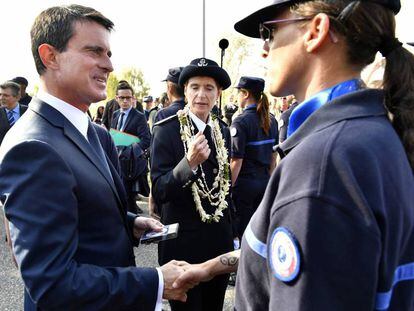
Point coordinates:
[[131, 121], [11, 110], [190, 180], [71, 235]]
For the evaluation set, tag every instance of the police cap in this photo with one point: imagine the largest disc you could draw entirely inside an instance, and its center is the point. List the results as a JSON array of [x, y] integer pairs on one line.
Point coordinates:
[[147, 99], [251, 83], [173, 74], [20, 80], [249, 25], [205, 67]]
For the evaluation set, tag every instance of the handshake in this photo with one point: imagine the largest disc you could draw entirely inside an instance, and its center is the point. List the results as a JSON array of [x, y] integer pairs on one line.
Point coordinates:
[[180, 276]]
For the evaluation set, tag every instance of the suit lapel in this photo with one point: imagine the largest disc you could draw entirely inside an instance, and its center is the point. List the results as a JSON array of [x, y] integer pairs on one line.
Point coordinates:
[[57, 119], [128, 119]]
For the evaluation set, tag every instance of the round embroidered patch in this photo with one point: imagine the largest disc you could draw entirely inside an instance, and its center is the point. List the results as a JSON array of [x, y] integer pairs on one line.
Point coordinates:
[[284, 255], [233, 131]]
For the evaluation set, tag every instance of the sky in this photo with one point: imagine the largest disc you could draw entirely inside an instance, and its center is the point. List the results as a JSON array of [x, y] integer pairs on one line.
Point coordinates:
[[151, 35]]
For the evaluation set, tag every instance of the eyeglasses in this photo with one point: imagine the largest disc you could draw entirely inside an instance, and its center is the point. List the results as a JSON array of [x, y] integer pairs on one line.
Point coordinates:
[[266, 33], [124, 97]]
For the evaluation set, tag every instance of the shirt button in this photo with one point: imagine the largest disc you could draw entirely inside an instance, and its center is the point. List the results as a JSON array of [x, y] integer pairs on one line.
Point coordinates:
[[215, 171]]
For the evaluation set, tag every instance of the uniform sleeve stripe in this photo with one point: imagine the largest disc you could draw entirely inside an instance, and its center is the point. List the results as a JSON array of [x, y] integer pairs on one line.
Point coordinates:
[[402, 273], [261, 142], [254, 243]]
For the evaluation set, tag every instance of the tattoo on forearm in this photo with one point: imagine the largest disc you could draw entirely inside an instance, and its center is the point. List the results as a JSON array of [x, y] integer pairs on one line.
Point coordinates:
[[228, 260]]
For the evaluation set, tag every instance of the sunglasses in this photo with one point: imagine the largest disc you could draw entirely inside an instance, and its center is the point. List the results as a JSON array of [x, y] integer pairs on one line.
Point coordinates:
[[267, 29]]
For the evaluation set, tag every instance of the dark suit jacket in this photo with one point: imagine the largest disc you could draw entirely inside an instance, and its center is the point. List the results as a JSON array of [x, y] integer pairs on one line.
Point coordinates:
[[109, 109], [4, 122], [69, 227], [137, 125], [171, 179]]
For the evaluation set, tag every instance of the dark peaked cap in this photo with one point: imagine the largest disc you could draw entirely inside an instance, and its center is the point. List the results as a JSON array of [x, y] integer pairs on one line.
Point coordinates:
[[173, 74], [251, 83], [204, 67], [249, 26]]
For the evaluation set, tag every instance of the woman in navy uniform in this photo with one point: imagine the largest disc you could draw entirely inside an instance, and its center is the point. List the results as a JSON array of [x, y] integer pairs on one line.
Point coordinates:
[[253, 135], [190, 177], [335, 230]]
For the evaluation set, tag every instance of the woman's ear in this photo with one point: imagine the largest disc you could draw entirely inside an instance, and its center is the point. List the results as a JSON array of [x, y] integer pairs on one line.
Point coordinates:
[[317, 32]]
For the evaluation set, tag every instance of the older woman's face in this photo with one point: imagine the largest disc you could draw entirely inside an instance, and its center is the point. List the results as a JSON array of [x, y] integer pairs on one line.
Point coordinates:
[[201, 94]]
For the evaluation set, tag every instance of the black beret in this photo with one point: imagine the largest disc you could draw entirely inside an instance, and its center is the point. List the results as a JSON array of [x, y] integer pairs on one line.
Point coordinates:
[[21, 81], [173, 74], [249, 26], [251, 83], [204, 67]]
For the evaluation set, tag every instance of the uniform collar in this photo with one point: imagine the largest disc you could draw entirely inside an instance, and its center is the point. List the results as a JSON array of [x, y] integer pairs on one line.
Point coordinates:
[[251, 107], [305, 109], [362, 103]]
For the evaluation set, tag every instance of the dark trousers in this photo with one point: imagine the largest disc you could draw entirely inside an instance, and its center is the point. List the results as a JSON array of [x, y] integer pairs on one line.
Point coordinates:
[[208, 296], [247, 194], [131, 196]]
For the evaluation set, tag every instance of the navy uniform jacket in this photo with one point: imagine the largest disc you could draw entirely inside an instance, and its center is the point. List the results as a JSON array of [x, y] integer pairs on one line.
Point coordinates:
[[250, 142], [4, 121], [71, 235], [172, 178], [170, 110], [136, 125], [345, 192]]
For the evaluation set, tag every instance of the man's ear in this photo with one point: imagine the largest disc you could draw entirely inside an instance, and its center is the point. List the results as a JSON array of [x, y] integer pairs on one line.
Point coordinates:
[[317, 32], [48, 55]]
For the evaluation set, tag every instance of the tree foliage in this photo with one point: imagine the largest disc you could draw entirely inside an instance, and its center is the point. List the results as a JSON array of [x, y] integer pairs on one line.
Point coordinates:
[[133, 76]]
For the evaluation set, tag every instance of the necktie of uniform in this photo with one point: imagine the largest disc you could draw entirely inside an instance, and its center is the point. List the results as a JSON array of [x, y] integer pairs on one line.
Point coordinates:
[[10, 117], [208, 135], [96, 145], [120, 121]]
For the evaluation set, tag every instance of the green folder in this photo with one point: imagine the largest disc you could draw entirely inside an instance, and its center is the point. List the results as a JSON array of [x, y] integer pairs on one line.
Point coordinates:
[[123, 139]]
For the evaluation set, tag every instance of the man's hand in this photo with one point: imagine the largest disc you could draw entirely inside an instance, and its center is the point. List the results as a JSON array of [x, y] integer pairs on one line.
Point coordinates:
[[198, 151], [142, 224], [170, 272]]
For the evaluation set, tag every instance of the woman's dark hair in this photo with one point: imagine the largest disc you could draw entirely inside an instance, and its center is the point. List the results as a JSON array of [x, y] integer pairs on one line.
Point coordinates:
[[262, 110], [368, 28]]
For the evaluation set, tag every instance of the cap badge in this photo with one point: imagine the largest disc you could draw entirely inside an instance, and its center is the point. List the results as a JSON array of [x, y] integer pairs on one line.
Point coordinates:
[[202, 63], [284, 255]]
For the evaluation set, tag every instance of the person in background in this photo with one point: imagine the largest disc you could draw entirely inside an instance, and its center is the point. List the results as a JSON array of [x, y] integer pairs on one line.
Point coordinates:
[[190, 177], [98, 116], [23, 83], [335, 229], [11, 110], [71, 235], [284, 118], [129, 120], [253, 134], [148, 101], [175, 94]]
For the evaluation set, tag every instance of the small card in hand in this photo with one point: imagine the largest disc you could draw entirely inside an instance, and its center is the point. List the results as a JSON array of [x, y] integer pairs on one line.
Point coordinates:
[[167, 232]]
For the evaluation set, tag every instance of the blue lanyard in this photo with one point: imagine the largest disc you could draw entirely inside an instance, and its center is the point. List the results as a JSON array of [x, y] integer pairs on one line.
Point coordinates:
[[305, 109]]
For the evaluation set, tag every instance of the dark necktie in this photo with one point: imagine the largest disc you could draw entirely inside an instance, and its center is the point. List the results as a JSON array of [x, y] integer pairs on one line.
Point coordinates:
[[10, 117], [208, 134], [120, 121], [96, 145]]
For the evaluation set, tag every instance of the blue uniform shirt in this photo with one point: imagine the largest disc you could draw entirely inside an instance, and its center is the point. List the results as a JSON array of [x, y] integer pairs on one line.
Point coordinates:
[[250, 142]]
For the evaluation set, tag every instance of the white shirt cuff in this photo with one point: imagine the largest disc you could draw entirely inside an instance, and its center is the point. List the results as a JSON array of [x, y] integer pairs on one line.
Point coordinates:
[[158, 306]]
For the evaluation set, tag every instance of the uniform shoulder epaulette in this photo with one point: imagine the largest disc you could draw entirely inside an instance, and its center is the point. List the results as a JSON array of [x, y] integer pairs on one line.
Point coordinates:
[[166, 120]]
